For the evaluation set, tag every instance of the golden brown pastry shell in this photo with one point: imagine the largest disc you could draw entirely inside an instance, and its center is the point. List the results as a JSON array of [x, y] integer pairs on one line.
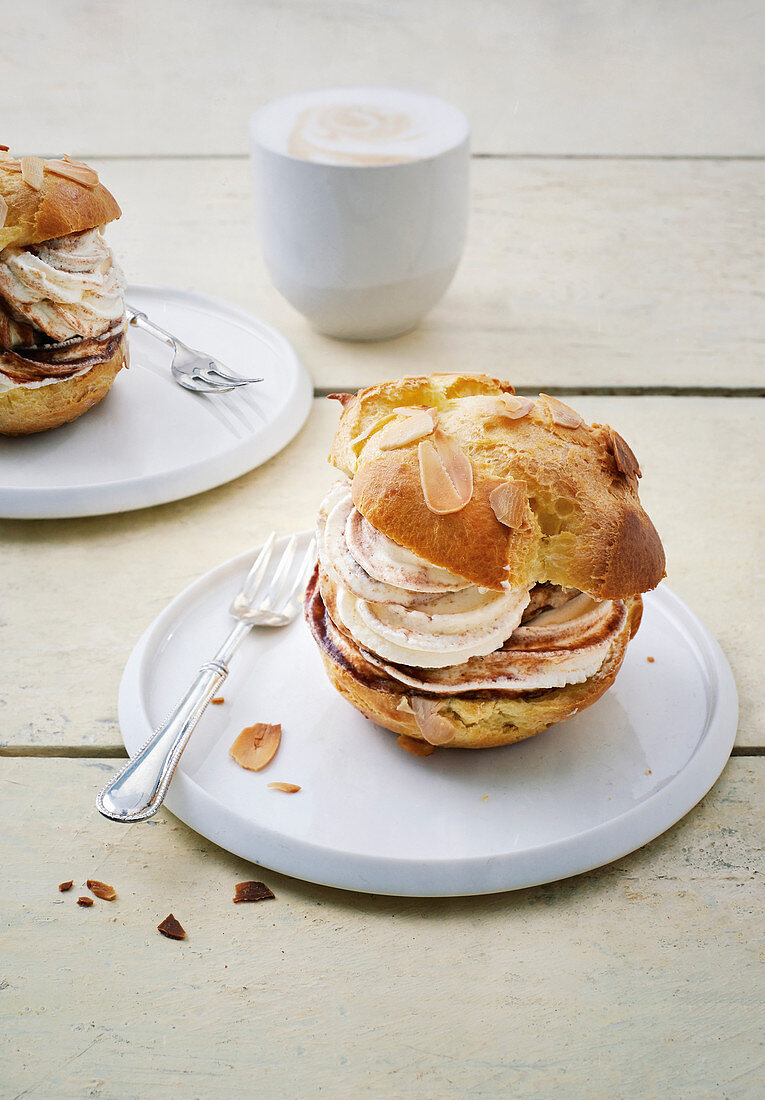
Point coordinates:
[[59, 207], [588, 530], [25, 410]]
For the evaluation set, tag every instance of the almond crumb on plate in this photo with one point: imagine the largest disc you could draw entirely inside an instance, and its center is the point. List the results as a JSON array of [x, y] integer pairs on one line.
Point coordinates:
[[252, 891], [415, 747], [288, 788], [171, 928], [101, 890], [85, 902], [217, 700], [650, 660], [256, 745], [64, 886]]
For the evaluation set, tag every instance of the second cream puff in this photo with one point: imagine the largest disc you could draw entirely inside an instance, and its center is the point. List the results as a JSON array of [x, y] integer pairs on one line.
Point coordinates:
[[481, 561]]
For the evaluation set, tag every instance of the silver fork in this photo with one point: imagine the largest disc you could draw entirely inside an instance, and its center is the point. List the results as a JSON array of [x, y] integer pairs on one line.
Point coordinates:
[[138, 790], [195, 370]]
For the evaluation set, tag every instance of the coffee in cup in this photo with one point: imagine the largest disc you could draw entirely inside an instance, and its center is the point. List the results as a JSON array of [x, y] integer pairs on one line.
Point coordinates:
[[362, 199]]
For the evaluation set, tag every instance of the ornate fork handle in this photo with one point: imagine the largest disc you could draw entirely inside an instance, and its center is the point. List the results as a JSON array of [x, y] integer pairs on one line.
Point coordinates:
[[140, 320], [138, 790]]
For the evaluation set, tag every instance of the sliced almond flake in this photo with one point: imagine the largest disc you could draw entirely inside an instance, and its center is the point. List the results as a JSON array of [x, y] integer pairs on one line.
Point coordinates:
[[436, 729], [101, 890], [562, 414], [3, 211], [288, 788], [408, 429], [405, 705], [9, 162], [33, 172], [508, 502], [508, 405], [172, 928], [374, 427], [344, 398], [253, 891], [446, 475], [516, 407], [623, 455], [256, 746], [415, 747], [73, 170], [4, 148]]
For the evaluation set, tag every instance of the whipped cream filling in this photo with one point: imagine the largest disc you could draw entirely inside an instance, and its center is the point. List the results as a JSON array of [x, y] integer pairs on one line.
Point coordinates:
[[58, 362], [67, 287], [446, 639], [432, 627], [535, 657], [7, 383]]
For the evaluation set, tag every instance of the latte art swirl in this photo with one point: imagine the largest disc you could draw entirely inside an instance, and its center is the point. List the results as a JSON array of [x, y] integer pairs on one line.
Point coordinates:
[[346, 133]]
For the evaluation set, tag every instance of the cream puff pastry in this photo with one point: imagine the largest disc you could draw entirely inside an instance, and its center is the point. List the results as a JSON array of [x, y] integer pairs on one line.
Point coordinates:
[[63, 335], [480, 561]]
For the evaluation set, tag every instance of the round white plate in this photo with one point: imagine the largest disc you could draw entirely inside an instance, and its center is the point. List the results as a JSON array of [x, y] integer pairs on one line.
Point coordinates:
[[150, 441], [372, 817]]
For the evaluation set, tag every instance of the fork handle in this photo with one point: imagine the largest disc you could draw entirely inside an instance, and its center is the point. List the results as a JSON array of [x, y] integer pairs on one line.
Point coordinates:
[[138, 790], [140, 320]]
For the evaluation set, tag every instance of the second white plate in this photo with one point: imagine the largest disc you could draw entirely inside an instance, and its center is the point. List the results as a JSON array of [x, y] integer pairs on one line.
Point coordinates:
[[151, 441], [372, 817]]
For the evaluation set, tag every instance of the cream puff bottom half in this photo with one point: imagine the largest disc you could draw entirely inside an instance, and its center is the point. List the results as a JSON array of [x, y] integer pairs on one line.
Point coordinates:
[[480, 722], [25, 410]]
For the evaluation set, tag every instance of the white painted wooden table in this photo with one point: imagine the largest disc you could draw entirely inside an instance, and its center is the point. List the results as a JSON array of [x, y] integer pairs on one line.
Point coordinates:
[[616, 254]]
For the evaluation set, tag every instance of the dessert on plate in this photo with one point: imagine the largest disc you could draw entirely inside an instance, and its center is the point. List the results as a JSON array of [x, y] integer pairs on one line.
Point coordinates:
[[63, 334], [480, 562]]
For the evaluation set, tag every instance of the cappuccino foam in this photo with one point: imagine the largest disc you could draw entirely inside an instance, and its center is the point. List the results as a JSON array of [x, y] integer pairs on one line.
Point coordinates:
[[360, 126]]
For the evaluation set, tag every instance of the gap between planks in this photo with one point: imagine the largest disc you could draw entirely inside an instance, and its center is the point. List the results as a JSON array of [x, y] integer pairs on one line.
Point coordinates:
[[117, 752], [619, 391], [710, 157]]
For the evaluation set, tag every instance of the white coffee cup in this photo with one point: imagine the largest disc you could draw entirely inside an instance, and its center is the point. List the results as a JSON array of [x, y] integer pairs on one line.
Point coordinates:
[[362, 197]]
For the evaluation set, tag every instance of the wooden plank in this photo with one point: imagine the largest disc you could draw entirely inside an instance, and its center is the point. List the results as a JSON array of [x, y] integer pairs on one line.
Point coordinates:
[[575, 274], [79, 593], [555, 991], [574, 78]]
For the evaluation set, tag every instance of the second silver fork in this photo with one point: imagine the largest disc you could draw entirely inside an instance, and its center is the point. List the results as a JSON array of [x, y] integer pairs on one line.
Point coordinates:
[[192, 369], [139, 788]]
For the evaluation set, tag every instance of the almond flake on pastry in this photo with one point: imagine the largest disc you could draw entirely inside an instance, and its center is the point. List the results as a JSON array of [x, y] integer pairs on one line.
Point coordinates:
[[562, 414], [374, 427], [508, 502], [73, 170], [436, 729], [514, 407], [33, 172], [624, 457], [416, 425], [446, 475]]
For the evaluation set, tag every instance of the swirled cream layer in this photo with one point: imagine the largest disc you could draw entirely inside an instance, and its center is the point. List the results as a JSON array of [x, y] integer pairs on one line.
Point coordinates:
[[423, 620], [440, 634], [67, 287], [550, 655]]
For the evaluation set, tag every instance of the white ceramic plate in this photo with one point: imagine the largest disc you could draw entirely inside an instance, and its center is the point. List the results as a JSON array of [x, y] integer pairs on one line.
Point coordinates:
[[372, 817], [150, 441]]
